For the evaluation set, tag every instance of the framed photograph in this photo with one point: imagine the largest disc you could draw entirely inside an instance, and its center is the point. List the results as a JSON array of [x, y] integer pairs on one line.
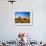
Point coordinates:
[[23, 18]]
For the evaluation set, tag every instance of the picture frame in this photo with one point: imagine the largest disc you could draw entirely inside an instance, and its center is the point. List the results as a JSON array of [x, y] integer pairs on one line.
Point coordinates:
[[23, 18]]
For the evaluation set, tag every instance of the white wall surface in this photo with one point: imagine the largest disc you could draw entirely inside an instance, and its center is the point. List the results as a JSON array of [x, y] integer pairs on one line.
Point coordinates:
[[7, 29]]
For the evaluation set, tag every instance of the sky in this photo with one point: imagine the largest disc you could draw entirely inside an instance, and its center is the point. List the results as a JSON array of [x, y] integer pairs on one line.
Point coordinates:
[[23, 14]]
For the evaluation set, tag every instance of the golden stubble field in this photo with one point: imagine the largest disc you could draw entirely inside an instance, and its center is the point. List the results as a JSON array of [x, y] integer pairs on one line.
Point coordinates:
[[22, 20]]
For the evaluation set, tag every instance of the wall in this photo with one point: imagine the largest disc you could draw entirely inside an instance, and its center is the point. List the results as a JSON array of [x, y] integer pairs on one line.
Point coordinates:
[[7, 29]]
